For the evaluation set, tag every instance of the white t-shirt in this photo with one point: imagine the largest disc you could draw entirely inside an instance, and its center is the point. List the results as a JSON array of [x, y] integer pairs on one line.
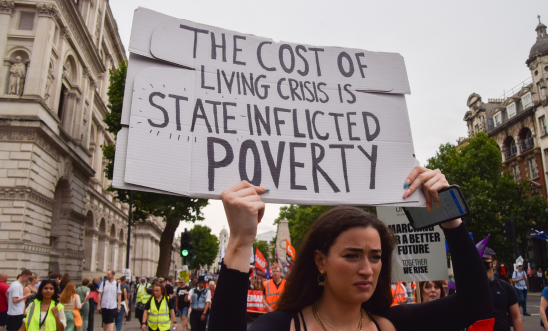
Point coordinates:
[[15, 291], [109, 299]]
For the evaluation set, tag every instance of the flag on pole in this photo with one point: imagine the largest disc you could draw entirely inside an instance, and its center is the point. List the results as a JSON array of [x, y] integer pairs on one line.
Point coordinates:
[[260, 263], [290, 253], [481, 246], [223, 252]]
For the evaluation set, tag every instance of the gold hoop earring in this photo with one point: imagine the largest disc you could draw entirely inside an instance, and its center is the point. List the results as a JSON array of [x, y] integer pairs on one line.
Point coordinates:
[[322, 282]]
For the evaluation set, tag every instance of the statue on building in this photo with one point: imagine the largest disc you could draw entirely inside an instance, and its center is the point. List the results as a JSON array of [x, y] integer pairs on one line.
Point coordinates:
[[17, 77], [49, 81]]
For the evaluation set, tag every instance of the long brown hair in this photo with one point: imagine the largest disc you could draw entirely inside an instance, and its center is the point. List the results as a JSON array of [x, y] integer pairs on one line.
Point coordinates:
[[64, 280], [68, 293], [302, 287]]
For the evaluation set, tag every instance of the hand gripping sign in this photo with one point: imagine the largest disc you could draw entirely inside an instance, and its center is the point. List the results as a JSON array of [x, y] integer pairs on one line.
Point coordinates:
[[206, 107]]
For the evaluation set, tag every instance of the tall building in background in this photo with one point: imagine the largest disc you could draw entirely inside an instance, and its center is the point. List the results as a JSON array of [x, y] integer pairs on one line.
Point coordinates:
[[517, 121], [55, 211]]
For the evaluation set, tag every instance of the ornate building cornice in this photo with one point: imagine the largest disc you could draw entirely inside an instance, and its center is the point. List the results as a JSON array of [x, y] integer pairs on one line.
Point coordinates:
[[48, 10], [7, 7], [32, 136], [27, 193]]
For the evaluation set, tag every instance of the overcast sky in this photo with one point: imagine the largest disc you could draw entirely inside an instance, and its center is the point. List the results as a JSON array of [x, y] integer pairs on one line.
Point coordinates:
[[451, 49]]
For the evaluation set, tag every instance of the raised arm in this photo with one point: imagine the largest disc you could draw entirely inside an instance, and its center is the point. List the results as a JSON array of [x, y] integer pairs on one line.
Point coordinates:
[[473, 297], [244, 211]]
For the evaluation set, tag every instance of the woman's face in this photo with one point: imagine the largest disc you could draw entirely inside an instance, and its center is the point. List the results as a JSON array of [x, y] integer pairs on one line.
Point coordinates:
[[353, 264], [157, 292], [47, 291], [430, 292], [36, 280]]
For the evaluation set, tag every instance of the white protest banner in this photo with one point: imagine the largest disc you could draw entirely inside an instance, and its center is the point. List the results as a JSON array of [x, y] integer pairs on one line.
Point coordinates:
[[127, 273], [419, 255], [290, 117]]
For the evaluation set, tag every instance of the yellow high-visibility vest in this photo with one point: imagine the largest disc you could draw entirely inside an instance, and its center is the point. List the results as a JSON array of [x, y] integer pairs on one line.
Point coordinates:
[[142, 295], [32, 321], [158, 318]]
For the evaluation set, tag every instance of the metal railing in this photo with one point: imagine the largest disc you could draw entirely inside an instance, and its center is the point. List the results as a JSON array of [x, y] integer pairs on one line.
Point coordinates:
[[527, 144], [516, 88], [510, 153]]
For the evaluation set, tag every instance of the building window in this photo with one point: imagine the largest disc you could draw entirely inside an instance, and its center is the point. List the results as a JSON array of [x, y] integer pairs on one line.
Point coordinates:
[[546, 158], [511, 110], [542, 125], [515, 171], [533, 169], [527, 101], [497, 119], [540, 91], [26, 21]]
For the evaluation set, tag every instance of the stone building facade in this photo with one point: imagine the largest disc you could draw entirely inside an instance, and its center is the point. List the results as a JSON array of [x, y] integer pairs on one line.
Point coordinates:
[[517, 121], [55, 211]]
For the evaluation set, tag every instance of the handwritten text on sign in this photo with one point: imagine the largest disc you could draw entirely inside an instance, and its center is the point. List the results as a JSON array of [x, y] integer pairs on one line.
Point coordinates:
[[281, 115]]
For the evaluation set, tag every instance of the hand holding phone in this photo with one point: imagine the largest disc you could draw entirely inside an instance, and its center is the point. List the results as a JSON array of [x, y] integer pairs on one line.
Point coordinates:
[[452, 205]]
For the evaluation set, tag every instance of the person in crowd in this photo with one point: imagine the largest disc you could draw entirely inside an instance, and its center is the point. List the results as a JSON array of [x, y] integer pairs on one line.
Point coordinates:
[[503, 272], [181, 304], [200, 302], [169, 287], [193, 282], [273, 289], [109, 300], [3, 300], [83, 292], [342, 273], [430, 291], [124, 305], [544, 308], [520, 283], [64, 281], [45, 313], [539, 273], [92, 300], [71, 302], [155, 311], [31, 288], [142, 298], [505, 310], [399, 294], [16, 301]]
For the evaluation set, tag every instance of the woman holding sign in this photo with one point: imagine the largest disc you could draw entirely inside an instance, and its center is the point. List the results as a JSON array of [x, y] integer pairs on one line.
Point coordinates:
[[341, 280]]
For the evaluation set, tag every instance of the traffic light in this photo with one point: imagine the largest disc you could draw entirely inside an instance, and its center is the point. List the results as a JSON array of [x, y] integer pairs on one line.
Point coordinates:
[[186, 246]]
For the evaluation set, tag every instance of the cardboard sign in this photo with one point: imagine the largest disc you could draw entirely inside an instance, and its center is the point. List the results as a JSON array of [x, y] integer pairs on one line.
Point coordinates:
[[183, 274], [255, 302], [127, 273], [419, 255], [316, 125]]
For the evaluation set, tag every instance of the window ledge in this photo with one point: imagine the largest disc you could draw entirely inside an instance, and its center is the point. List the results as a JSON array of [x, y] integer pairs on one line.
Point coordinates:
[[544, 135]]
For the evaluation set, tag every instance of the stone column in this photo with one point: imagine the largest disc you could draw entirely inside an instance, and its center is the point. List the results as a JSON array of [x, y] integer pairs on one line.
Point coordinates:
[[63, 45], [98, 155], [90, 249], [282, 236], [37, 72], [113, 253], [7, 7], [106, 78], [72, 100], [102, 253]]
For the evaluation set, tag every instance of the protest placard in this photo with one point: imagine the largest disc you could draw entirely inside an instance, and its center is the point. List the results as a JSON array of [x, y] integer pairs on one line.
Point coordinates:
[[207, 107], [419, 255], [255, 302]]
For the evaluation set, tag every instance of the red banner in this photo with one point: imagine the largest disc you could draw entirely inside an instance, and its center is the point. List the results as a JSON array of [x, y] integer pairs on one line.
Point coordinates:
[[290, 253], [260, 261], [255, 302]]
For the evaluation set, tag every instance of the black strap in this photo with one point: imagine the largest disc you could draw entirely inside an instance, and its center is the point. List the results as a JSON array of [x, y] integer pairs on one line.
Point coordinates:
[[302, 318], [45, 317], [372, 319]]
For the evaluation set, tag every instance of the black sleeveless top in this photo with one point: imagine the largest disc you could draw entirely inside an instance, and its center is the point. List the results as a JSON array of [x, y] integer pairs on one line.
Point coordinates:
[[296, 321]]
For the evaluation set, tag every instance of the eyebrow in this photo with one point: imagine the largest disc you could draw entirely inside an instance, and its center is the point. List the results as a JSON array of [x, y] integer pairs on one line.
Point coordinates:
[[360, 250]]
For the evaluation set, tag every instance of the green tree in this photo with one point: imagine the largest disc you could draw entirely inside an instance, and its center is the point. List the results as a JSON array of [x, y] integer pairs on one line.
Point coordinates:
[[492, 195], [206, 246], [263, 248], [300, 218], [173, 209]]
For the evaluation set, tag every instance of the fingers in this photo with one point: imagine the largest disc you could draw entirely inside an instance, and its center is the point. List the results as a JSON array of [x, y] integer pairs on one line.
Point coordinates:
[[419, 179], [413, 174], [430, 194], [244, 184]]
